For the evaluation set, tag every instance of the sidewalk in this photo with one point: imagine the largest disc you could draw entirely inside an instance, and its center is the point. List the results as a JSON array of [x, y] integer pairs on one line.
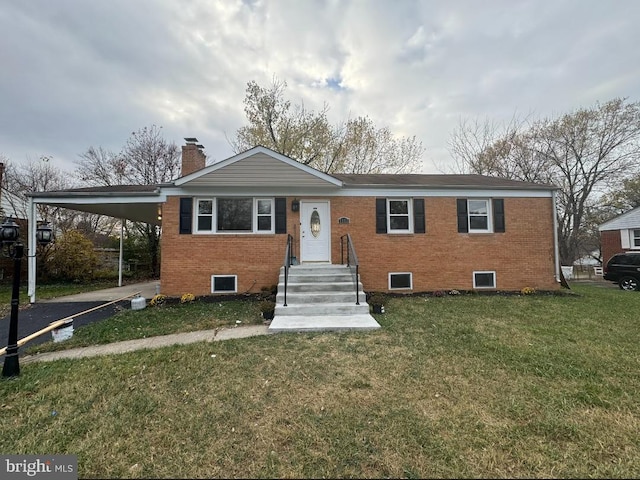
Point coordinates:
[[146, 289], [151, 342]]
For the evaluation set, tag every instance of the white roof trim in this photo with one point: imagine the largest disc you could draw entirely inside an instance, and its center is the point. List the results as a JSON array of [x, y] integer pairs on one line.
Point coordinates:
[[266, 151], [617, 223]]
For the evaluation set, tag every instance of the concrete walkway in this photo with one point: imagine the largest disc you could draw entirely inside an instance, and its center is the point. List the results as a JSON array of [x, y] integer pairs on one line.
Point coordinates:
[[147, 289], [151, 342], [322, 323]]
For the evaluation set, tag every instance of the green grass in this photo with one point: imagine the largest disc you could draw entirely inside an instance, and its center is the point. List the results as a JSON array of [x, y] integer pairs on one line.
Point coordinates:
[[153, 321], [467, 386]]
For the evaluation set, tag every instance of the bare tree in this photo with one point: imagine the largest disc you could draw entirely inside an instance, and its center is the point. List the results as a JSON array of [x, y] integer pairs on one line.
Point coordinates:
[[354, 146], [38, 176], [582, 153], [146, 159]]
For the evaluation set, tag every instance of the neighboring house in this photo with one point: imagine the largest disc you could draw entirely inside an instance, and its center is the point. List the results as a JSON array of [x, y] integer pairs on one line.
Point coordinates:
[[620, 234], [225, 226], [12, 206]]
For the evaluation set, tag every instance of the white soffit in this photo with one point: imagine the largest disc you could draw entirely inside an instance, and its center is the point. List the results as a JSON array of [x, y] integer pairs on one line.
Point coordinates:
[[258, 167]]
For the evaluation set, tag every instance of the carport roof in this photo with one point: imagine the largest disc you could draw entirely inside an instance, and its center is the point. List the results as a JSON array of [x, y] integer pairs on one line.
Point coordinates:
[[140, 203]]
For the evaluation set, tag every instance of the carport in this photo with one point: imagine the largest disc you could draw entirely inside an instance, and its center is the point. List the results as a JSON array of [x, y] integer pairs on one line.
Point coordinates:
[[138, 203]]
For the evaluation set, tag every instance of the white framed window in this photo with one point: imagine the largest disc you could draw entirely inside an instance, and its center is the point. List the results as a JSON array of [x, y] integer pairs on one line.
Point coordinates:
[[400, 281], [235, 215], [635, 238], [264, 215], [224, 283], [204, 216], [479, 213], [484, 279], [399, 218]]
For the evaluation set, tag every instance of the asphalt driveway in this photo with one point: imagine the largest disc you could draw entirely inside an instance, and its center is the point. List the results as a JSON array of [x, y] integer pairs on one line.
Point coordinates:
[[39, 315]]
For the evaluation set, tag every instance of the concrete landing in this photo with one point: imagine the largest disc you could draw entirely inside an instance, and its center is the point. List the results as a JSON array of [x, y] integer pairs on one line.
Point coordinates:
[[316, 323]]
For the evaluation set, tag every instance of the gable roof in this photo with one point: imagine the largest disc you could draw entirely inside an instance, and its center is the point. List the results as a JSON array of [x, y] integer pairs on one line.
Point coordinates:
[[630, 219], [258, 166], [261, 166]]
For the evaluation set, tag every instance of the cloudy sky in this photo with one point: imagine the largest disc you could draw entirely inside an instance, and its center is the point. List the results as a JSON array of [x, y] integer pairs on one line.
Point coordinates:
[[76, 74]]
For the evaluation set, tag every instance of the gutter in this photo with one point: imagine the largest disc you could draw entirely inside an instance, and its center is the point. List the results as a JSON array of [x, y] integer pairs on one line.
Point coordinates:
[[154, 193]]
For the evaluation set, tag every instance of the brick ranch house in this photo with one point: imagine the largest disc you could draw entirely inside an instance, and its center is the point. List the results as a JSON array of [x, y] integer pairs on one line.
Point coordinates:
[[225, 226], [620, 234]]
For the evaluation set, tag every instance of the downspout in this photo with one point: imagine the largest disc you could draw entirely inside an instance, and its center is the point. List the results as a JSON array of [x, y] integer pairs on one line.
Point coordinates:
[[556, 251], [31, 250], [120, 258]]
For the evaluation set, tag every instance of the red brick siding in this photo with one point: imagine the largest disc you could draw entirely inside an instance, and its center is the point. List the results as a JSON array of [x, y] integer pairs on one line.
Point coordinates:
[[440, 259], [611, 244], [188, 261]]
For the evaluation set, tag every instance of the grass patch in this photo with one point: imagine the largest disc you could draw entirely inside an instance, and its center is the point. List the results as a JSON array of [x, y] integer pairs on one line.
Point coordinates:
[[154, 321], [465, 386]]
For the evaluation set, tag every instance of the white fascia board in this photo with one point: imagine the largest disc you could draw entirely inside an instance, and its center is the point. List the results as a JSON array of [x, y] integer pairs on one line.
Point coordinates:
[[349, 192], [442, 192], [617, 223], [236, 158], [101, 199]]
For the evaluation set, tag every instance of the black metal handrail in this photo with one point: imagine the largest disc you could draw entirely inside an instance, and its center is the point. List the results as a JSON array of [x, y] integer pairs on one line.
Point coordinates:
[[287, 265], [352, 260]]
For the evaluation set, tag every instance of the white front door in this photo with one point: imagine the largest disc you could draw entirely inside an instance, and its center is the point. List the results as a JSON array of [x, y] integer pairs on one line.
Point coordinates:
[[315, 232]]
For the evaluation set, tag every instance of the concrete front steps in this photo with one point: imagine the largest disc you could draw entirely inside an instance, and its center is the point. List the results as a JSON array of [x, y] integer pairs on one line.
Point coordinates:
[[320, 297]]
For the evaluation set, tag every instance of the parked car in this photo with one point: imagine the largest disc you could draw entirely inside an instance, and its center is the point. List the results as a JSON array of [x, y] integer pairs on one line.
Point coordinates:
[[624, 268]]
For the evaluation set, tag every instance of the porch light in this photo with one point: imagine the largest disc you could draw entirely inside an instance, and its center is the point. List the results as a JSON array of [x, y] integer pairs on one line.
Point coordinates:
[[295, 205], [44, 233]]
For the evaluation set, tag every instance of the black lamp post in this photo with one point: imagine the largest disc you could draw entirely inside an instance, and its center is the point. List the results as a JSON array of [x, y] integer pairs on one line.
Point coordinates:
[[12, 248]]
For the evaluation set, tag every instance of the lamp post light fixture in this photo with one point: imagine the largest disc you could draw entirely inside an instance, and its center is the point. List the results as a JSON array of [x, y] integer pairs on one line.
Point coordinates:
[[12, 248], [44, 233]]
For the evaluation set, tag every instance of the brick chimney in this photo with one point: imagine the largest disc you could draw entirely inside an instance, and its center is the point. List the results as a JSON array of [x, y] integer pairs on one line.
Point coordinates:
[[193, 157]]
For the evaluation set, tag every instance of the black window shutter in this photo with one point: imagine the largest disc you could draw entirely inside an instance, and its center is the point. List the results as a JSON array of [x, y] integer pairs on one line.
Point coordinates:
[[418, 215], [281, 215], [381, 215], [463, 220], [186, 210], [498, 215]]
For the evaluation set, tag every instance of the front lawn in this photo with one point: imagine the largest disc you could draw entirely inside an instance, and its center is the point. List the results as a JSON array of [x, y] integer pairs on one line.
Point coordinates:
[[464, 386]]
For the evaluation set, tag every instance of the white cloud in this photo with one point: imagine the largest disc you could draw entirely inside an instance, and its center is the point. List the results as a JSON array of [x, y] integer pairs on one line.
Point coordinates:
[[79, 74]]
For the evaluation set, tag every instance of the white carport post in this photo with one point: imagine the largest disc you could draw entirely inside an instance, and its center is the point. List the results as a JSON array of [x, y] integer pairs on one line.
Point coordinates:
[[121, 256], [31, 249]]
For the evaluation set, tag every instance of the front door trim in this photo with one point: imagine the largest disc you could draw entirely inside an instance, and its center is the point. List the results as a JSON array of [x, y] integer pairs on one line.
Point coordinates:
[[305, 233]]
